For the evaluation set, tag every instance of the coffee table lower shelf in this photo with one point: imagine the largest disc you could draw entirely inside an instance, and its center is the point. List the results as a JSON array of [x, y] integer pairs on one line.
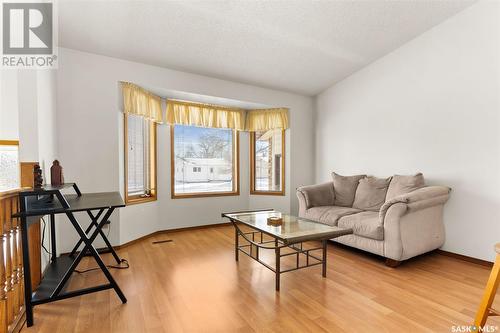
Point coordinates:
[[291, 234], [253, 247]]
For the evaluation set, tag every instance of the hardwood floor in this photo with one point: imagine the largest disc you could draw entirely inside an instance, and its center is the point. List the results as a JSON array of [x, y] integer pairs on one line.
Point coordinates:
[[193, 284]]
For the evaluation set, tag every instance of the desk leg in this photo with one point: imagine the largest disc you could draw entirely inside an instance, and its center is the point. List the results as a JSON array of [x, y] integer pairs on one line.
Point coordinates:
[[80, 255], [93, 219], [26, 271], [53, 237], [108, 244], [94, 223], [90, 247]]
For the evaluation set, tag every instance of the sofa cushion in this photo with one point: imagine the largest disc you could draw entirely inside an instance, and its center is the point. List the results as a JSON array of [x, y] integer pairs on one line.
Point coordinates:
[[404, 184], [345, 188], [315, 213], [332, 216], [371, 193], [328, 214], [365, 224]]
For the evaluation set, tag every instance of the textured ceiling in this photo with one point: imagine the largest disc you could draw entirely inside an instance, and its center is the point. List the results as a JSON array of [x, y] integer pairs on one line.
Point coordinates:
[[298, 46]]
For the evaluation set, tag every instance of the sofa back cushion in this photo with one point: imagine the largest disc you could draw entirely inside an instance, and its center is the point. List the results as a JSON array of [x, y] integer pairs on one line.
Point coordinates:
[[345, 188], [404, 184], [318, 195], [371, 193]]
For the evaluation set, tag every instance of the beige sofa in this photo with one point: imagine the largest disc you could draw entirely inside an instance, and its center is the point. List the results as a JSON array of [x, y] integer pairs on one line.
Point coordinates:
[[397, 218]]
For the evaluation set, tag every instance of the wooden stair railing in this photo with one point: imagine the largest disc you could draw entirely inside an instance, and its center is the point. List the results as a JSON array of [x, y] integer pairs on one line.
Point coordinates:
[[12, 313], [11, 269]]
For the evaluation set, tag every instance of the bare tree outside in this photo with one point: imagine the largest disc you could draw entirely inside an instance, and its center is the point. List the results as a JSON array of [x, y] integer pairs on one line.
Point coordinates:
[[212, 146]]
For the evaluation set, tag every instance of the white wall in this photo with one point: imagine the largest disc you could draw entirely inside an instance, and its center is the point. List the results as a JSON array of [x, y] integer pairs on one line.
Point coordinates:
[[46, 110], [34, 103], [47, 137], [9, 123], [90, 141], [28, 113], [432, 106]]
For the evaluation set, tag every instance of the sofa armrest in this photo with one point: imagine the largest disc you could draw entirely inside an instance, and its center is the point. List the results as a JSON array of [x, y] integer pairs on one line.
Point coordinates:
[[413, 223], [419, 199], [302, 203], [317, 195]]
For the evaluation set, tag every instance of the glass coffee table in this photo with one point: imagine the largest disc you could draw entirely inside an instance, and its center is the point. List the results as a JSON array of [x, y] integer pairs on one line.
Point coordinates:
[[291, 235]]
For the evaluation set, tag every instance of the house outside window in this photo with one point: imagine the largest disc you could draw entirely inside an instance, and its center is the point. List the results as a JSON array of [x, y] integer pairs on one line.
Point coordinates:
[[205, 161]]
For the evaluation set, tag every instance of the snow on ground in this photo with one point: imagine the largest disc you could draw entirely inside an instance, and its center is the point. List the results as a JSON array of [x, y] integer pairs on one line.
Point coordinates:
[[203, 187], [223, 186]]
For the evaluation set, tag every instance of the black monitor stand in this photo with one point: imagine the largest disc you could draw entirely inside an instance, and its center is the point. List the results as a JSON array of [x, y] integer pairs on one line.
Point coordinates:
[[49, 200]]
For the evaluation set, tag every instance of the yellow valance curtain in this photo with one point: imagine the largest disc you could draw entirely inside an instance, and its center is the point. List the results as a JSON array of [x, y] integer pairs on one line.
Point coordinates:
[[141, 102], [267, 119], [205, 115]]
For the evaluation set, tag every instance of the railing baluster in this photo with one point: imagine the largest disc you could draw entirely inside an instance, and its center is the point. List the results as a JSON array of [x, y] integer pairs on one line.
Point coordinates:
[[3, 294], [15, 266], [8, 262], [19, 253]]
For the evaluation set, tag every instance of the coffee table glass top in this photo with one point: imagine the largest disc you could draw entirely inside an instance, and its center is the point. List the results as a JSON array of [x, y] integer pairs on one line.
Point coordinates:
[[293, 229]]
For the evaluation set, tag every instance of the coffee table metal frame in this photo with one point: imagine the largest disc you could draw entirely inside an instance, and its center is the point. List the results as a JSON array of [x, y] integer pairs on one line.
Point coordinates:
[[256, 242]]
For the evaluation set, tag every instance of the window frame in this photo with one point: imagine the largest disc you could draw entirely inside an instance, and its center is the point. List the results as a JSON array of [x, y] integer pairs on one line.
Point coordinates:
[[253, 191], [236, 170], [137, 198], [16, 144], [9, 143]]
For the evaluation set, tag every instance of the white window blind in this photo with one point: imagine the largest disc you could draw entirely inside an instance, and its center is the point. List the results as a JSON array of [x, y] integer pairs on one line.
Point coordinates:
[[138, 163]]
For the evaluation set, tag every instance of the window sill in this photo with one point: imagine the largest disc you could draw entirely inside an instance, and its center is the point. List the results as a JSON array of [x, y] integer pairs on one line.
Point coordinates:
[[138, 200], [267, 193], [204, 195]]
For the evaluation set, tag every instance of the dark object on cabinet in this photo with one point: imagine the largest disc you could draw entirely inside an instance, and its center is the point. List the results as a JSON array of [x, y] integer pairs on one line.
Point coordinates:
[[56, 174], [37, 175]]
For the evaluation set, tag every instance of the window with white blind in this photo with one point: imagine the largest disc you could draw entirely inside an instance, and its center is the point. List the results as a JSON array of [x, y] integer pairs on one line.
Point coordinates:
[[140, 159]]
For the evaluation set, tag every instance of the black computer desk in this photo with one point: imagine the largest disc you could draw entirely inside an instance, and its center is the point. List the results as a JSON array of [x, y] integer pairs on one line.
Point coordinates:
[[49, 200]]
